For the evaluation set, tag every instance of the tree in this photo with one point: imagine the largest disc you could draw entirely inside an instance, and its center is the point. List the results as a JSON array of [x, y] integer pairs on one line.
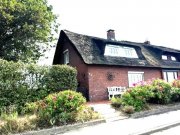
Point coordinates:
[[26, 29]]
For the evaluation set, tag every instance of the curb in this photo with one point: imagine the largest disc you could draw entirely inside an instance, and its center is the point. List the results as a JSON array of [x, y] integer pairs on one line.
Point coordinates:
[[63, 129], [155, 111], [157, 129]]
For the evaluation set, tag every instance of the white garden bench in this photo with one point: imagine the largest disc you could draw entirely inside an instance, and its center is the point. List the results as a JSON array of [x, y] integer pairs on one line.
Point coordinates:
[[112, 91]]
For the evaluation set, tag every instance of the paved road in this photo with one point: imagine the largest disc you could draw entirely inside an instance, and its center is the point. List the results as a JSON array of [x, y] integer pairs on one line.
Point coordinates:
[[130, 126], [171, 131]]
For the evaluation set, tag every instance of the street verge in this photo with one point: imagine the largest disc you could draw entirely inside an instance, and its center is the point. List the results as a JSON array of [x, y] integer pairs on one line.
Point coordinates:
[[63, 129]]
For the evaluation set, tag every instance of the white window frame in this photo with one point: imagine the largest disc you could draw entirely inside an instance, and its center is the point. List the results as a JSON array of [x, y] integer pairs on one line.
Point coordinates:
[[138, 76], [164, 57], [120, 51], [66, 56], [167, 73], [130, 52]]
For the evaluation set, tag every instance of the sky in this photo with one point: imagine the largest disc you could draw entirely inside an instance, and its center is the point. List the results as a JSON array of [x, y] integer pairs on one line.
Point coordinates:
[[133, 20]]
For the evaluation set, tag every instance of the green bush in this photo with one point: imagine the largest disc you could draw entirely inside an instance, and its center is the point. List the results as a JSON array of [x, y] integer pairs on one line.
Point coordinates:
[[60, 108], [30, 108], [64, 75], [176, 83], [175, 91], [137, 97], [175, 94], [128, 109], [162, 92], [116, 102], [155, 91], [21, 83]]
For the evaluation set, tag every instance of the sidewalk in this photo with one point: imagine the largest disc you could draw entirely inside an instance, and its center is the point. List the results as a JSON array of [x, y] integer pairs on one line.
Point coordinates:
[[131, 126], [108, 113]]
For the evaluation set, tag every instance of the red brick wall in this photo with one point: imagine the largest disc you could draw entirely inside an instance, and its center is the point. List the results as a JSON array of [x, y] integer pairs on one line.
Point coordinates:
[[75, 61], [98, 81]]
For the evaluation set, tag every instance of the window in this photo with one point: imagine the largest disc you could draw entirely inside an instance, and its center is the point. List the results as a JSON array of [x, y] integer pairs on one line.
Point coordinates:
[[164, 57], [169, 76], [135, 77], [66, 57], [173, 58], [120, 51], [112, 50]]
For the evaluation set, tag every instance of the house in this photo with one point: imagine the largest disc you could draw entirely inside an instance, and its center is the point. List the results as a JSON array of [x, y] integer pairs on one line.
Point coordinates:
[[103, 63]]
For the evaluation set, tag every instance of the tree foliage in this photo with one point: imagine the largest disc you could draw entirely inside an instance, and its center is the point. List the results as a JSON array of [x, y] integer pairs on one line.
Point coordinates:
[[26, 29]]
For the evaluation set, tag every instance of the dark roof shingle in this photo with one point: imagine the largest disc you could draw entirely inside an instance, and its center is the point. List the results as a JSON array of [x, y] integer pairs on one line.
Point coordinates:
[[92, 49]]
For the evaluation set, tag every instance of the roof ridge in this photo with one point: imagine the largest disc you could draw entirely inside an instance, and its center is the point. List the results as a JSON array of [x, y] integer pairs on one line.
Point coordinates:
[[123, 41], [84, 34]]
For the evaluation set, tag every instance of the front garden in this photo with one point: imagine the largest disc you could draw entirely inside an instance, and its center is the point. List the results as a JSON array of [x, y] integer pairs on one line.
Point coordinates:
[[34, 97], [144, 95]]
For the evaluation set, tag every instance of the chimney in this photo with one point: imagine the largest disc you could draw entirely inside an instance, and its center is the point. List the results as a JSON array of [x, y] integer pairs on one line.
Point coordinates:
[[147, 42], [110, 34]]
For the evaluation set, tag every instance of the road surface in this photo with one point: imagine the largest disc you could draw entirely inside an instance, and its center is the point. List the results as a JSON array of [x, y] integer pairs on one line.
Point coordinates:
[[132, 126]]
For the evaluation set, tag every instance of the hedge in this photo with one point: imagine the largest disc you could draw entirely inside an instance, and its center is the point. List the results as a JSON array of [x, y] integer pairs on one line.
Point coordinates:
[[21, 83]]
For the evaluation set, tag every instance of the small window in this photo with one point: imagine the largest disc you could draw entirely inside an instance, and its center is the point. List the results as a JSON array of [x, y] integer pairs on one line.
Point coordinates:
[[173, 58], [135, 77], [66, 57], [164, 57]]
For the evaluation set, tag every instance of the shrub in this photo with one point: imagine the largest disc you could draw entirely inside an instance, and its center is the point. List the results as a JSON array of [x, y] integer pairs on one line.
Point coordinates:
[[175, 94], [116, 102], [86, 113], [13, 124], [128, 109], [176, 83], [137, 97], [21, 83], [155, 91], [162, 92], [30, 108], [60, 108], [61, 77]]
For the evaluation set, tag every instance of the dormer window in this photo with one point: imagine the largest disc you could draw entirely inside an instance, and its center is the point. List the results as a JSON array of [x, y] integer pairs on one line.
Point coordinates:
[[120, 51], [164, 57], [173, 58], [169, 57]]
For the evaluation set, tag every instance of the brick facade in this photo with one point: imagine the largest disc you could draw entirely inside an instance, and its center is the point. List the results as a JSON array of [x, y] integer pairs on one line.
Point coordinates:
[[98, 79]]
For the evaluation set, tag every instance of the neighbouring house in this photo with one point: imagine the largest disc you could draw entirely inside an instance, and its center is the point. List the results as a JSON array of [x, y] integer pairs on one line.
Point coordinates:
[[103, 63]]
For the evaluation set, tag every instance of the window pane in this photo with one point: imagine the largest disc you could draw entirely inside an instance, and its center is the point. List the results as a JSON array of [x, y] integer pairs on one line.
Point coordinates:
[[170, 76], [66, 57], [173, 58], [164, 57], [135, 77], [175, 75], [165, 77]]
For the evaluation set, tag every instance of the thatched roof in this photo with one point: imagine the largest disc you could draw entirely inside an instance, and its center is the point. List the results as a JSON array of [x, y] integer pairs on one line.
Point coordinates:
[[91, 49]]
